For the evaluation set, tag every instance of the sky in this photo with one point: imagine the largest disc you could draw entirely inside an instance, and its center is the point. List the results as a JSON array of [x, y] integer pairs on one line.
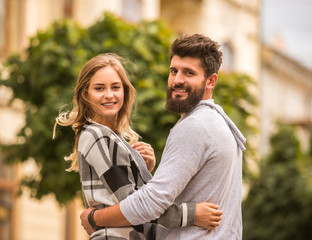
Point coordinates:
[[289, 23]]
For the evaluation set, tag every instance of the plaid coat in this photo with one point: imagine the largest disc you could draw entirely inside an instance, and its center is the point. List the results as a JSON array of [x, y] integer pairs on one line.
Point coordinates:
[[110, 170]]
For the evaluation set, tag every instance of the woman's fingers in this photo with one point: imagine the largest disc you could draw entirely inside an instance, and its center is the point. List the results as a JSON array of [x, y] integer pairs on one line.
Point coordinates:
[[147, 152]]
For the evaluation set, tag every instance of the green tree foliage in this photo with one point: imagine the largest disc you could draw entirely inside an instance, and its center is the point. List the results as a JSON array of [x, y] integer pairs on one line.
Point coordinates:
[[45, 78], [278, 206]]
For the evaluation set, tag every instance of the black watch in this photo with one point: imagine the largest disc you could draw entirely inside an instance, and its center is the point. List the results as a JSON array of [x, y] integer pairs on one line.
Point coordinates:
[[91, 220]]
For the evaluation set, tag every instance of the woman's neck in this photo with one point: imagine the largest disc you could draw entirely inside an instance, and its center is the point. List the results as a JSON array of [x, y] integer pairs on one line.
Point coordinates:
[[109, 124]]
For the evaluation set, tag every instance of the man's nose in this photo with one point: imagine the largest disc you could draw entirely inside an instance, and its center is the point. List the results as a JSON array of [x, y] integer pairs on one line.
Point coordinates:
[[178, 79]]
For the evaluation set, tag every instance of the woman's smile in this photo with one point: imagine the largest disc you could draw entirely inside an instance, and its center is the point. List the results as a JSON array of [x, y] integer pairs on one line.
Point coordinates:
[[106, 94]]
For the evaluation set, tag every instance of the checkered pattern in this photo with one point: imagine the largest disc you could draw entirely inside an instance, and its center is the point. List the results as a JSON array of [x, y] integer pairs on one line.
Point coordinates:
[[110, 170]]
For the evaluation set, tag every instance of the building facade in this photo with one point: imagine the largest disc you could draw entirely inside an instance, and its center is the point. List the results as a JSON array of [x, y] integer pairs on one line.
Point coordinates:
[[286, 88], [283, 86], [233, 23]]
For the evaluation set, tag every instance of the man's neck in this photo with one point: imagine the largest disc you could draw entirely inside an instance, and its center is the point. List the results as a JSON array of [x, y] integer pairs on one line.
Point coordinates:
[[204, 98]]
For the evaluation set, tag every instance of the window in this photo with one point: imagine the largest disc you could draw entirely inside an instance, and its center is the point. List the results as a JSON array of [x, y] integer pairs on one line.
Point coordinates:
[[2, 27], [68, 8], [132, 10], [228, 61]]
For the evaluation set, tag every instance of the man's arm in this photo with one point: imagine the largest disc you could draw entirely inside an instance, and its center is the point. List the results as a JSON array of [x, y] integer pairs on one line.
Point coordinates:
[[181, 160], [207, 216], [175, 173], [180, 215]]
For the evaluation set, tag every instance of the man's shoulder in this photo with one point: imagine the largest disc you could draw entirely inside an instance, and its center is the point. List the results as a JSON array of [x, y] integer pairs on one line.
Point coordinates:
[[200, 115], [202, 121], [192, 124]]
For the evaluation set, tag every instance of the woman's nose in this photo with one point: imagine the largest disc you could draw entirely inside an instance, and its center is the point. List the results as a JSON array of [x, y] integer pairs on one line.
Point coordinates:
[[108, 94]]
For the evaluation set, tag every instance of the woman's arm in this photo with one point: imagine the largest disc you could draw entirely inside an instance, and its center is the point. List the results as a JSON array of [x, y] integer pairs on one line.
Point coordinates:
[[203, 214], [207, 215]]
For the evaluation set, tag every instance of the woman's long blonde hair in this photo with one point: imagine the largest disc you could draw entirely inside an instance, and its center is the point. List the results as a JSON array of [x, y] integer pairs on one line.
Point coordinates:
[[83, 111]]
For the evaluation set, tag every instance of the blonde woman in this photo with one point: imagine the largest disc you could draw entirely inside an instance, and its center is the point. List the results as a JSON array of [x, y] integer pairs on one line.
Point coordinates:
[[110, 168]]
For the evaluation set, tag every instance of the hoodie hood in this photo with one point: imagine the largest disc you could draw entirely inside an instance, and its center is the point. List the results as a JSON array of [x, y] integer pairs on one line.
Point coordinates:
[[240, 139]]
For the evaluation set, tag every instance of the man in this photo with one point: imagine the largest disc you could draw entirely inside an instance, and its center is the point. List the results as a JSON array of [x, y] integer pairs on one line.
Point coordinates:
[[202, 160]]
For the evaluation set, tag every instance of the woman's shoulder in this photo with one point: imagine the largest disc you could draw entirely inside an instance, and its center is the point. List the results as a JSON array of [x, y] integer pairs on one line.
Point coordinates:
[[92, 133], [94, 130]]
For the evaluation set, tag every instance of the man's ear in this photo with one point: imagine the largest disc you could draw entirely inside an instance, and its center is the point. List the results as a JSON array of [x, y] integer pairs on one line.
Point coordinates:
[[212, 80]]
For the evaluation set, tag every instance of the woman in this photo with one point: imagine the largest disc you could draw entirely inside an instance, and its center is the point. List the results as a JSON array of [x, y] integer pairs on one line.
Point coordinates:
[[110, 169]]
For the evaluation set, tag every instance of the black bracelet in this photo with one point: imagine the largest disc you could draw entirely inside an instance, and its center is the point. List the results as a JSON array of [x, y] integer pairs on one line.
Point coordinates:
[[91, 220]]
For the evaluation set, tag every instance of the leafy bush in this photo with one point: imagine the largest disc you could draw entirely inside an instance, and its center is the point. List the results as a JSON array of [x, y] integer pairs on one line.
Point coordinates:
[[278, 206], [45, 78]]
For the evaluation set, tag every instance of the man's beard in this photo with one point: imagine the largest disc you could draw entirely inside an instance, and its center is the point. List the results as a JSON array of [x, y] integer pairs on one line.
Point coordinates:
[[182, 106]]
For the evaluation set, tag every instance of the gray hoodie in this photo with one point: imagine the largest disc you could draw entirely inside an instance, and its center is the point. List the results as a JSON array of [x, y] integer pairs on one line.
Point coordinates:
[[202, 161]]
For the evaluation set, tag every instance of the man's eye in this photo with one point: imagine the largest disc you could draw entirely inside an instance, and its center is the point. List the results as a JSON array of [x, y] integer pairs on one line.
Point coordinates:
[[189, 73], [173, 71]]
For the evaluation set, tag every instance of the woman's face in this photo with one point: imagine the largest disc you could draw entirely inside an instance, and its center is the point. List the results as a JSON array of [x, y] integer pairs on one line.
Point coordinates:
[[106, 93]]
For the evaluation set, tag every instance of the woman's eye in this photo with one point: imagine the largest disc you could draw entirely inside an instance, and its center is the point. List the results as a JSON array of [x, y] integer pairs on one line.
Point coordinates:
[[98, 88], [116, 87]]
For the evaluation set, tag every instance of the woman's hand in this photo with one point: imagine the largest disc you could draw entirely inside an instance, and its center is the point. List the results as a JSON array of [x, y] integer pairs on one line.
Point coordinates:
[[147, 152], [207, 215]]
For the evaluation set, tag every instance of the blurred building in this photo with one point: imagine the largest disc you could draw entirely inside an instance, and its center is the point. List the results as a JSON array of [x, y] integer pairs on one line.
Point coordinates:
[[283, 86], [286, 88]]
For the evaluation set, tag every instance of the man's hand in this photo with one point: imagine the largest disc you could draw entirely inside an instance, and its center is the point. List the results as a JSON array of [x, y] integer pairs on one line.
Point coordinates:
[[85, 222], [147, 152], [207, 215]]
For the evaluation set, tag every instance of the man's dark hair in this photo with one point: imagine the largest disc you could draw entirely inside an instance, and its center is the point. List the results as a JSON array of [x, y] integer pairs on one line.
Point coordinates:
[[199, 46]]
